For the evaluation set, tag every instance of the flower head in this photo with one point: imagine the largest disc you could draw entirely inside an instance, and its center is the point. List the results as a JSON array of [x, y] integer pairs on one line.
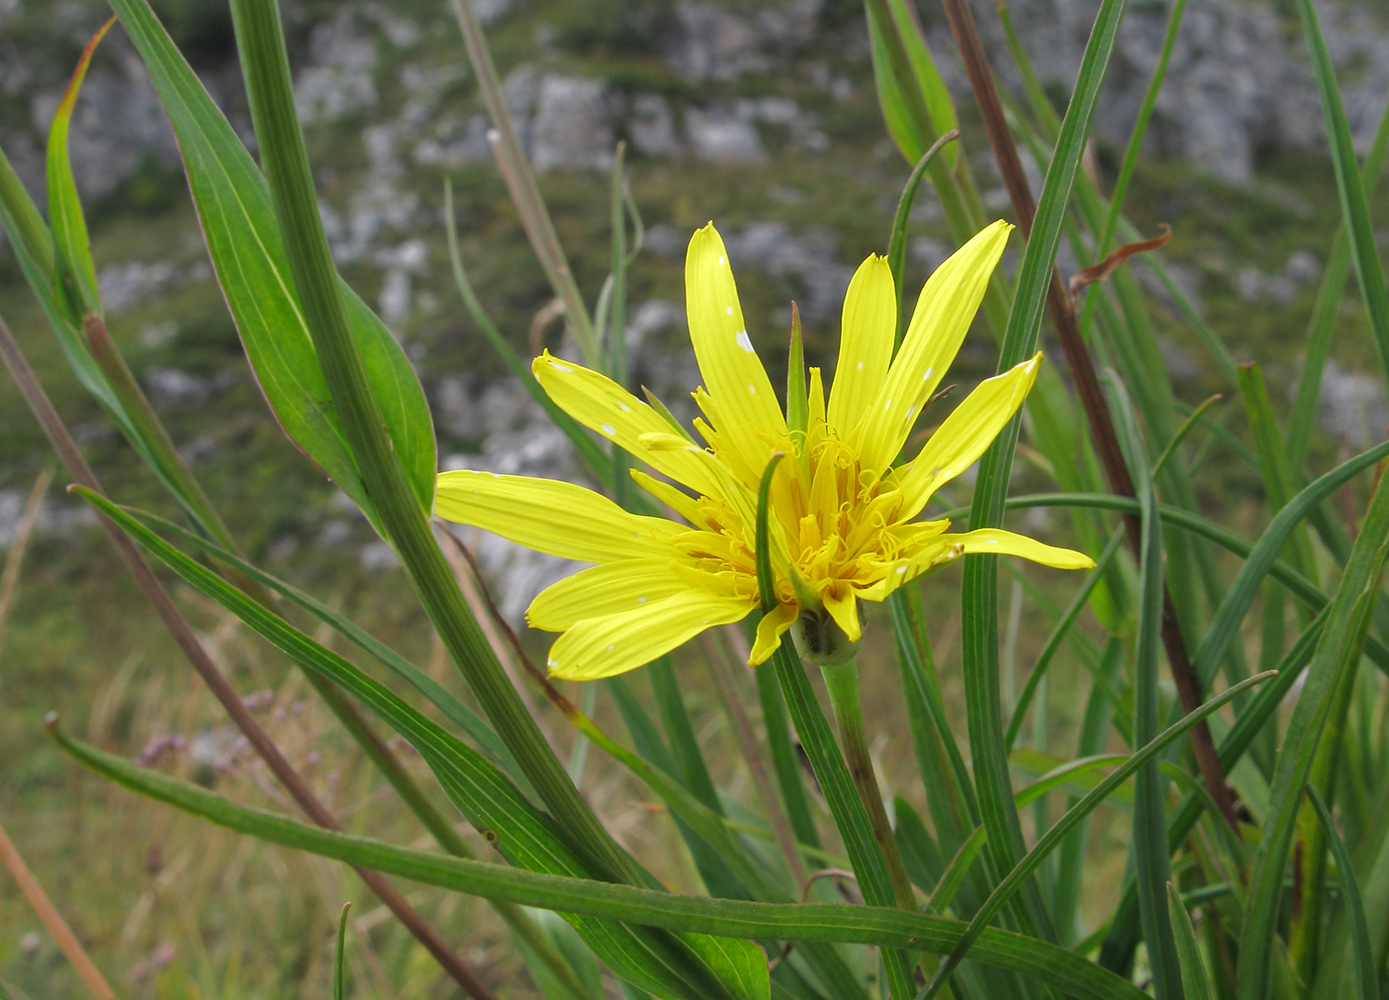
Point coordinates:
[[842, 514]]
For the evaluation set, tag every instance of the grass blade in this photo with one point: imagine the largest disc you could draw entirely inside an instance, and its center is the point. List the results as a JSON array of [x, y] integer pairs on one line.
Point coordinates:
[[979, 591], [75, 271], [684, 968], [880, 926], [1072, 817], [1355, 212], [1149, 815], [339, 977], [1338, 653], [1366, 978], [1328, 309], [1195, 984]]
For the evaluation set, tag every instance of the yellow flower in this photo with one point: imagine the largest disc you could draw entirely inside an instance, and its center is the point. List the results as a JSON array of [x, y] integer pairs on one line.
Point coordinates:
[[841, 514]]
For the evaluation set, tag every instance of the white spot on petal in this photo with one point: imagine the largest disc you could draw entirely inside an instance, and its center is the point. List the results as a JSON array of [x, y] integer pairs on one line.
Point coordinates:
[[641, 600], [559, 367], [729, 310], [860, 366], [901, 570], [911, 410], [609, 430], [991, 541], [722, 260], [744, 341], [610, 647], [929, 372], [752, 389]]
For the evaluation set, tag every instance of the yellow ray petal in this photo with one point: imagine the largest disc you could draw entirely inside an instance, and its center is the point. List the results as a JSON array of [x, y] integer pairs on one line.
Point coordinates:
[[614, 644], [552, 516], [943, 314], [732, 372], [965, 434], [996, 541], [842, 605], [609, 589], [940, 550], [867, 331], [600, 404], [770, 630]]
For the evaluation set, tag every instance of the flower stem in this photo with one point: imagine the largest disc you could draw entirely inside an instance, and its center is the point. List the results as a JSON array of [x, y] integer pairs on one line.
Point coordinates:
[[842, 682]]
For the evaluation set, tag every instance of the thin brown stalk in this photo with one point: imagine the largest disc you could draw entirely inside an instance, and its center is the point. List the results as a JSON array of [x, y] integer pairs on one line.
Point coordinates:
[[53, 920], [720, 666], [182, 632], [1061, 307], [511, 160], [9, 578]]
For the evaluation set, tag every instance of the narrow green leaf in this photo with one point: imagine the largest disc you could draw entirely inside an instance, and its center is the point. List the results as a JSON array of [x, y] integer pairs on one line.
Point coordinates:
[[249, 257], [1355, 212], [1195, 983], [438, 695], [76, 272], [979, 590], [1367, 980], [669, 967], [1149, 816], [865, 855], [785, 760], [1338, 652], [339, 974], [1071, 818], [1279, 483], [1058, 634], [606, 901]]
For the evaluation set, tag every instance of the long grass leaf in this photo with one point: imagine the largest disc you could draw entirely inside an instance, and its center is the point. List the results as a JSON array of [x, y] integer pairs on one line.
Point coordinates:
[[979, 591], [1072, 817], [1366, 978], [1195, 984], [850, 816], [882, 926], [1355, 211], [686, 967], [1149, 816], [1327, 309], [1343, 639]]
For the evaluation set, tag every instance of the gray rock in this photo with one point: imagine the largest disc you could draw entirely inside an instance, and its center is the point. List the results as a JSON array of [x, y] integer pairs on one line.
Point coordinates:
[[806, 260], [338, 80], [172, 385], [571, 127], [124, 286], [723, 136], [651, 126], [1352, 408], [469, 145]]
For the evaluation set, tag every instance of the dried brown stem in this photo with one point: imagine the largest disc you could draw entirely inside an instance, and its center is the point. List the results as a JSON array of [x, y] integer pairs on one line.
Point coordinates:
[[53, 920], [1061, 307], [216, 681]]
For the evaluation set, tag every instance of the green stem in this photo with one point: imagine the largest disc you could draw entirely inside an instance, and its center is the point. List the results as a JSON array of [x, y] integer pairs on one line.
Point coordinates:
[[841, 680], [266, 68]]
